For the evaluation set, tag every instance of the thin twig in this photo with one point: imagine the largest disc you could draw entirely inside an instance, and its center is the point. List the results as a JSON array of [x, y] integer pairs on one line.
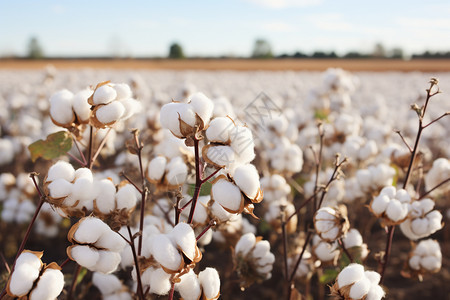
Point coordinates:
[[284, 235], [434, 188], [198, 180], [79, 150], [64, 262], [76, 159], [100, 147], [295, 185], [91, 144], [172, 290], [74, 282], [136, 263], [387, 252], [404, 141], [435, 120], [130, 181], [212, 223], [341, 244], [211, 175], [297, 263], [5, 263]]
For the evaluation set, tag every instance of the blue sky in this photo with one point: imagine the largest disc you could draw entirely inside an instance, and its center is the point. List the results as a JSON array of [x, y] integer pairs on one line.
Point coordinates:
[[208, 27]]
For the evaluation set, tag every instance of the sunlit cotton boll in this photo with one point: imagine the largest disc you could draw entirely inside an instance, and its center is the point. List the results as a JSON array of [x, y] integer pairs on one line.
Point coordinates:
[[105, 200], [7, 150], [219, 130], [165, 252], [156, 168], [189, 287], [324, 251], [81, 106], [353, 239], [110, 113], [355, 283], [89, 230], [274, 187], [422, 220], [157, 279], [439, 172], [49, 286], [330, 223], [104, 94], [202, 106], [126, 197], [108, 284], [26, 271], [61, 170], [227, 194], [391, 204], [246, 177], [210, 283], [426, 256], [61, 107]]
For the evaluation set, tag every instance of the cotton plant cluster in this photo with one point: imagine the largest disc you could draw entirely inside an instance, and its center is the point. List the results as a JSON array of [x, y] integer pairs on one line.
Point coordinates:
[[204, 285], [111, 288], [33, 279], [167, 173], [426, 257], [391, 205]]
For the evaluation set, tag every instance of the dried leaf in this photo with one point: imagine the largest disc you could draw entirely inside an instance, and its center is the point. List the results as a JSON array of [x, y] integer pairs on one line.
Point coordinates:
[[56, 144]]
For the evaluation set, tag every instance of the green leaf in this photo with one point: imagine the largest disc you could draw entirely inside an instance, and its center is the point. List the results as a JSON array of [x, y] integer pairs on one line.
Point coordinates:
[[205, 190], [55, 145], [81, 275], [328, 276], [321, 114]]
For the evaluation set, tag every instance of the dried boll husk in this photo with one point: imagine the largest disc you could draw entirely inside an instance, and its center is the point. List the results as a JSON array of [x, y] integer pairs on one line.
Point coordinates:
[[331, 223]]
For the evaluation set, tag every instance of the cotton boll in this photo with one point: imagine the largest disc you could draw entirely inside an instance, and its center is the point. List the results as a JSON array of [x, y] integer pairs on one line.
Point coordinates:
[[108, 262], [111, 240], [245, 244], [189, 287], [123, 91], [261, 249], [227, 194], [61, 107], [106, 283], [165, 252], [81, 106], [219, 130], [84, 255], [59, 188], [375, 293], [379, 204], [219, 213], [83, 189], [61, 170], [90, 229], [110, 113], [131, 106], [396, 210], [202, 106], [360, 288], [156, 168], [49, 286], [159, 282], [7, 150], [246, 178], [176, 171], [220, 156], [84, 173], [350, 274], [105, 200], [26, 271], [126, 197], [352, 239], [104, 94], [183, 236], [210, 282], [169, 117]]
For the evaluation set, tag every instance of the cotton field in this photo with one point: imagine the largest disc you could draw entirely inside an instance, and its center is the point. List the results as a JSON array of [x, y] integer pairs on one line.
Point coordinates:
[[224, 184]]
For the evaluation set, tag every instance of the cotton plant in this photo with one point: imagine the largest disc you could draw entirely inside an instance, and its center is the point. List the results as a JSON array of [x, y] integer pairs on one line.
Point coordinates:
[[426, 257], [94, 245], [253, 259], [422, 220], [391, 205], [33, 279]]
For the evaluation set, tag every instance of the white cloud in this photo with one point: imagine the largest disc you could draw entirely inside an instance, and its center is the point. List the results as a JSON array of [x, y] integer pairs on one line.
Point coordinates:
[[425, 23], [285, 3], [277, 27], [330, 22]]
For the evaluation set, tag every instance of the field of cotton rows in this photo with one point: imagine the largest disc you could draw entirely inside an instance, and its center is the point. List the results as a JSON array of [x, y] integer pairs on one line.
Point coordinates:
[[238, 185]]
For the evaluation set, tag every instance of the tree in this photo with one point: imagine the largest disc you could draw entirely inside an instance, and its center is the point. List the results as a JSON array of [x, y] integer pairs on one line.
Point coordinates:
[[34, 49], [379, 51], [262, 49], [176, 51]]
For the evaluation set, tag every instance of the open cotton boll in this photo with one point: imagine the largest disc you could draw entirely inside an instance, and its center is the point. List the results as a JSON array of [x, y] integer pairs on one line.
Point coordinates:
[[106, 283], [220, 156], [176, 171], [210, 282], [104, 94], [219, 212], [165, 252], [126, 197], [61, 170], [84, 255], [379, 204], [60, 188], [184, 237], [26, 271], [169, 117], [111, 240], [61, 107], [83, 189], [202, 106], [246, 178], [262, 248], [352, 239], [360, 288], [396, 210], [7, 150], [245, 244], [350, 274], [110, 113], [189, 287], [49, 286], [107, 262], [84, 173], [159, 282], [123, 91], [81, 106], [131, 106], [219, 130], [90, 229], [157, 168], [227, 194], [105, 199]]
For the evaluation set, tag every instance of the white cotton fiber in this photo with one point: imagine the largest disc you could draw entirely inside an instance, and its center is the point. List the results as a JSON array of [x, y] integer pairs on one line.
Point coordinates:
[[360, 288], [7, 150], [221, 155], [126, 197], [123, 91], [105, 199], [60, 188], [165, 252], [202, 106], [111, 240], [104, 94], [350, 274], [219, 130], [379, 204], [81, 106], [106, 283], [85, 256], [131, 106], [187, 114], [210, 282], [83, 189], [396, 211], [61, 107], [189, 287], [49, 286], [245, 244], [184, 237], [219, 212], [176, 171], [159, 282], [227, 194], [262, 248], [110, 113], [352, 239], [169, 117], [61, 169], [90, 230], [246, 178], [157, 168], [107, 262], [375, 293], [84, 173], [25, 273]]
